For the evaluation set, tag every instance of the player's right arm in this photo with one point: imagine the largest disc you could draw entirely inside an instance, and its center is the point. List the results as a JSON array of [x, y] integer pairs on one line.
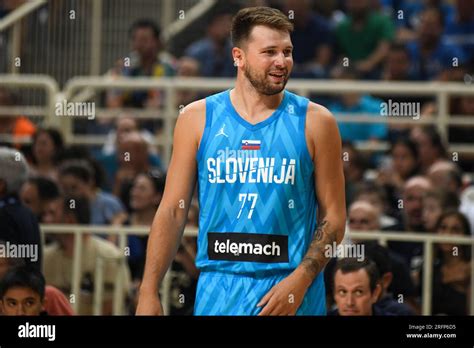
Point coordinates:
[[170, 218]]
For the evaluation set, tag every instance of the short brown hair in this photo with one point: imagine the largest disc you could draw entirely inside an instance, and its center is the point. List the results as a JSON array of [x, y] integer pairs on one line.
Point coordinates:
[[249, 17]]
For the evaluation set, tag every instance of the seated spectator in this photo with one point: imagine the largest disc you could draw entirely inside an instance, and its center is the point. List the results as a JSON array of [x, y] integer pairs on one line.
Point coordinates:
[[47, 146], [451, 268], [354, 165], [364, 37], [22, 292], [412, 11], [147, 58], [55, 303], [355, 103], [401, 165], [36, 192], [187, 67], [132, 156], [214, 52], [397, 64], [431, 147], [371, 192], [412, 219], [76, 178], [145, 197], [58, 257], [124, 124], [18, 224], [81, 152], [397, 303], [397, 67], [363, 216], [435, 202], [462, 106], [430, 57], [356, 288], [459, 29], [446, 174], [312, 41]]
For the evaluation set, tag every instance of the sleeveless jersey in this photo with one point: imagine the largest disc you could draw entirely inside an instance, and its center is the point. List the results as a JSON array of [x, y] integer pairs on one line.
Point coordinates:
[[256, 189]]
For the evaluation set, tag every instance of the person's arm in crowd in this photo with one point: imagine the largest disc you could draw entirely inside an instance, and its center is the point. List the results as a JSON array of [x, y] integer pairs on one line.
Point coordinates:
[[385, 37], [376, 58], [170, 219]]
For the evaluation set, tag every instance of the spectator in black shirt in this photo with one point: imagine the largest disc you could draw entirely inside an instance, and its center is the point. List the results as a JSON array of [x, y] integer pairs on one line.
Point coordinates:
[[18, 224]]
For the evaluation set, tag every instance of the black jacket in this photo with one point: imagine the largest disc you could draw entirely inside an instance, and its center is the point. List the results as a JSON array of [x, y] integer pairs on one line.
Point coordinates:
[[18, 225]]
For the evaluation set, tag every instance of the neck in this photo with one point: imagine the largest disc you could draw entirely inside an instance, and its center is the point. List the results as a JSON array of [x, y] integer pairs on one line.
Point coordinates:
[[252, 102], [144, 217]]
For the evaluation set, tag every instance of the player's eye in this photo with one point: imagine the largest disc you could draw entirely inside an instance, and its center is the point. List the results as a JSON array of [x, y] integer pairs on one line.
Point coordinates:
[[342, 292]]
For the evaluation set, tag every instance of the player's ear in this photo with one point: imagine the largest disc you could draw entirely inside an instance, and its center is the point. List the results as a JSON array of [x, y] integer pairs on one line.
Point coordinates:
[[237, 55]]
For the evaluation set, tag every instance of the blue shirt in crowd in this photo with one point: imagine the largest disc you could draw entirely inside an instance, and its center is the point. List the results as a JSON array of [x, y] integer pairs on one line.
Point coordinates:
[[360, 131], [444, 57]]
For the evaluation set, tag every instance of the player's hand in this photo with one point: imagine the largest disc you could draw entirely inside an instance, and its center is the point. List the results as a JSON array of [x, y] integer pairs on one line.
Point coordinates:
[[149, 304], [285, 297]]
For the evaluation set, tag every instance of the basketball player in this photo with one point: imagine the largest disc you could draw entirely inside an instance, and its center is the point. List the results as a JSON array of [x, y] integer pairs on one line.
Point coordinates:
[[265, 160]]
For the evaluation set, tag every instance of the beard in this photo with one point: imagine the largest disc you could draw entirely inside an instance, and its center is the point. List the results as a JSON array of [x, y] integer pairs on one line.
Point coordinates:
[[262, 83]]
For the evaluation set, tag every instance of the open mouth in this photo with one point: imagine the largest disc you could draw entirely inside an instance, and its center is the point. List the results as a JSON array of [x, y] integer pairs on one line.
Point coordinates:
[[277, 75]]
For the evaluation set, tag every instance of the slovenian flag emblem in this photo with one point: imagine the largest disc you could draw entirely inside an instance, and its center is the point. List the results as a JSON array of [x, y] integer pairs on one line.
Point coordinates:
[[251, 144]]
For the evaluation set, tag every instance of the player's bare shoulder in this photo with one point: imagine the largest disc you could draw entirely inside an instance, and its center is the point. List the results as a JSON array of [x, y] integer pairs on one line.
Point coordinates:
[[192, 120], [321, 127]]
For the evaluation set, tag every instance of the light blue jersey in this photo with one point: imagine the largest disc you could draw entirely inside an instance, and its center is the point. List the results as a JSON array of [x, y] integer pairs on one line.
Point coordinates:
[[256, 195]]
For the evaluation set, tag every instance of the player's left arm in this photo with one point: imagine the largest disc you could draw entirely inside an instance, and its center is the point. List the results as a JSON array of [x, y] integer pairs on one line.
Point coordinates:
[[324, 143]]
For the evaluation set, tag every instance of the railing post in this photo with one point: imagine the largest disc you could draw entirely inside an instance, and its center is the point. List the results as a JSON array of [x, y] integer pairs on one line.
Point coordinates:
[[118, 291], [443, 114], [15, 48], [166, 290], [98, 286], [427, 277], [76, 270]]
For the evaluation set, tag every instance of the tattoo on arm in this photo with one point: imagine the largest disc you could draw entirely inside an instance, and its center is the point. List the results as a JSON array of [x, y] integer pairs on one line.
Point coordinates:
[[315, 258]]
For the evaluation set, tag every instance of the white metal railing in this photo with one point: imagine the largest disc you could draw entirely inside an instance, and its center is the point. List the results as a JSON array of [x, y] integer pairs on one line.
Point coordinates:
[[75, 86], [427, 239], [122, 233], [48, 84], [441, 91]]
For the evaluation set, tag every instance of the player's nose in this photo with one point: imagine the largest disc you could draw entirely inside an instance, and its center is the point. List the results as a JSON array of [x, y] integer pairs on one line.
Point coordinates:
[[280, 60]]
